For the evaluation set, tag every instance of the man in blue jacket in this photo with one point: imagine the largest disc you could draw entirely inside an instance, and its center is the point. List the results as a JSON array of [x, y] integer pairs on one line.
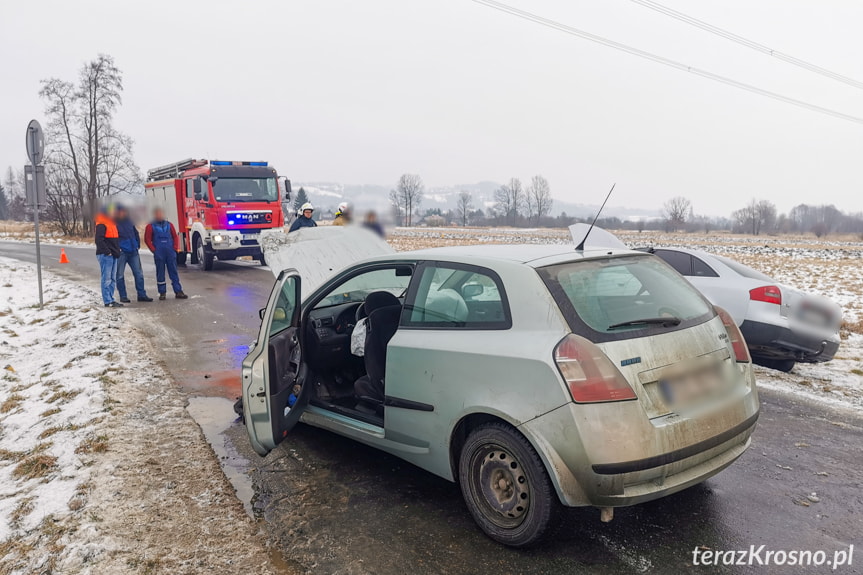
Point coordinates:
[[130, 243], [305, 220]]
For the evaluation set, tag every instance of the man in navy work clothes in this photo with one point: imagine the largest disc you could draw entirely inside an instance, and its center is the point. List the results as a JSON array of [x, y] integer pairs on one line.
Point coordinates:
[[161, 237], [130, 243], [305, 220]]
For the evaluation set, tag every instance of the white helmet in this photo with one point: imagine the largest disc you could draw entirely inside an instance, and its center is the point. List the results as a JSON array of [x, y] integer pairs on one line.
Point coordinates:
[[343, 207], [307, 206]]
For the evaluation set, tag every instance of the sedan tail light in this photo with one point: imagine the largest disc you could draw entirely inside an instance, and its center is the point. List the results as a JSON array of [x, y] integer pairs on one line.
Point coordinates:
[[741, 351], [769, 294], [589, 374]]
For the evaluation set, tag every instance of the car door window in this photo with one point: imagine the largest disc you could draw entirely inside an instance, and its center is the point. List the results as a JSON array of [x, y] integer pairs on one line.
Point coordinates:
[[286, 305], [454, 296], [701, 269], [393, 279], [678, 260]]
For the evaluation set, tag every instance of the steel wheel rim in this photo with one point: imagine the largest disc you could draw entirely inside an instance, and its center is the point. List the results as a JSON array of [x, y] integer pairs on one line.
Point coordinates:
[[500, 485]]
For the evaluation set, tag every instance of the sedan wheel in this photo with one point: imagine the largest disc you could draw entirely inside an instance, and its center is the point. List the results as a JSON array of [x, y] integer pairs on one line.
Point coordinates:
[[506, 487]]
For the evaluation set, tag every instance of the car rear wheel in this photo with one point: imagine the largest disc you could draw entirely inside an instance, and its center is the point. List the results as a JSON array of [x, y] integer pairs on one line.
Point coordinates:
[[784, 365], [506, 487]]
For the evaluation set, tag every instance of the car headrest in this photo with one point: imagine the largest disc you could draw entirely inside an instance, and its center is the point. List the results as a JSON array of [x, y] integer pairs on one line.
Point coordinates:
[[379, 299]]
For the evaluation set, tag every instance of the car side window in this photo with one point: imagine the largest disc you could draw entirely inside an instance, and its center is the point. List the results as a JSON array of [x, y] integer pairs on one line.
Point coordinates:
[[286, 304], [701, 269], [393, 279], [678, 260], [457, 297]]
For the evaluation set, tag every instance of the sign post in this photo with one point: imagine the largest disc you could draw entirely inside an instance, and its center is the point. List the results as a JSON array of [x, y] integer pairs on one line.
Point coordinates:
[[35, 152]]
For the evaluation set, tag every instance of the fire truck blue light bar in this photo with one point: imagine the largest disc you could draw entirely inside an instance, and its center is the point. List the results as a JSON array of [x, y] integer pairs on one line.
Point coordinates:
[[225, 163]]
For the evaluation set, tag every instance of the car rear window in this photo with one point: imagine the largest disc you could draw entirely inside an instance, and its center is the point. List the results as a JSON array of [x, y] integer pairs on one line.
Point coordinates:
[[599, 297], [743, 270]]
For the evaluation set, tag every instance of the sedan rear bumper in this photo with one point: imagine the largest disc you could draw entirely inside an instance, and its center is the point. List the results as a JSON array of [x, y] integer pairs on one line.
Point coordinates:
[[777, 342]]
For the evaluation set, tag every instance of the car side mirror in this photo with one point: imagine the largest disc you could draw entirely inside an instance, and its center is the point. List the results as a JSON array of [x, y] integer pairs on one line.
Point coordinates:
[[261, 312], [471, 291]]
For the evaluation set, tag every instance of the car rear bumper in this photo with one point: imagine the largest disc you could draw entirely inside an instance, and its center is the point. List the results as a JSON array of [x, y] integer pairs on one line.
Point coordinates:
[[613, 463], [777, 342]]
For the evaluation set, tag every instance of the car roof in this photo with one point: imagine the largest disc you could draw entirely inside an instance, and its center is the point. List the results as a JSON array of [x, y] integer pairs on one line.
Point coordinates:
[[532, 255]]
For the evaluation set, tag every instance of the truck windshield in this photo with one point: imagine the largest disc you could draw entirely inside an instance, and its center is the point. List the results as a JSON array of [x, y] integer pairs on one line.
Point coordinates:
[[245, 190]]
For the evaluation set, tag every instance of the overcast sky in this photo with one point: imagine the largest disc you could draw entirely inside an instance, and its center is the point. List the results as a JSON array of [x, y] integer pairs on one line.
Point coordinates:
[[362, 91]]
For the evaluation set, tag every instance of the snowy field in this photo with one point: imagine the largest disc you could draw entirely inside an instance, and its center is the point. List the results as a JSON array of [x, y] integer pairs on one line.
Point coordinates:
[[102, 470], [828, 266]]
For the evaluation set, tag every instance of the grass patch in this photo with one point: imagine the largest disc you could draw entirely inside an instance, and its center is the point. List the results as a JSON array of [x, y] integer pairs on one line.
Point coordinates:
[[50, 412], [857, 371], [22, 510], [66, 394], [97, 444], [12, 402], [35, 466], [849, 327], [7, 455], [49, 432]]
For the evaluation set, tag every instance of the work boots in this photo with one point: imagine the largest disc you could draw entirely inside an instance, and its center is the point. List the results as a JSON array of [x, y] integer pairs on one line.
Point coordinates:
[[181, 295]]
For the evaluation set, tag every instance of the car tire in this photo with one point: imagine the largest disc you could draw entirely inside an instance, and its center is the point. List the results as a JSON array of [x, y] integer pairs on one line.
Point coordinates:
[[506, 486], [783, 365]]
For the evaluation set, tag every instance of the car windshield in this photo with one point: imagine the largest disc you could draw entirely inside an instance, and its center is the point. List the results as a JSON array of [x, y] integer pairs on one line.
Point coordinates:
[[624, 297], [358, 287], [245, 189], [743, 270]]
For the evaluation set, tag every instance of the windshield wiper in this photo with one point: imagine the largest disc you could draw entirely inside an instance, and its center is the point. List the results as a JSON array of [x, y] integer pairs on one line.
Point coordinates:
[[663, 321]]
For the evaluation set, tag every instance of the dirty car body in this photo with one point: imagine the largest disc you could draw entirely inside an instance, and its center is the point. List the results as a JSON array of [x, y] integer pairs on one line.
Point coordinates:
[[536, 377], [782, 325]]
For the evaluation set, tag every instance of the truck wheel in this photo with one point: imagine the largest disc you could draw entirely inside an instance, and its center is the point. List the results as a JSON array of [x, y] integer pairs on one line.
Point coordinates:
[[195, 241], [205, 256], [506, 487], [181, 259]]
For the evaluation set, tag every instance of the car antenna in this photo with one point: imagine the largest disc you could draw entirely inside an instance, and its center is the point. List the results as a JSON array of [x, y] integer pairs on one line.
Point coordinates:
[[580, 247]]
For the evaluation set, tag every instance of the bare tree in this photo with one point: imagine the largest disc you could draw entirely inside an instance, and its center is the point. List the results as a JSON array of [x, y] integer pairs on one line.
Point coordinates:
[[464, 205], [677, 211], [755, 217], [510, 200], [407, 197], [87, 159], [538, 199]]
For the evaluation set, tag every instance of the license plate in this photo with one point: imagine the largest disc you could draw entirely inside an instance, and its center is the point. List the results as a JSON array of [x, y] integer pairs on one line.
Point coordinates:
[[691, 387], [251, 237]]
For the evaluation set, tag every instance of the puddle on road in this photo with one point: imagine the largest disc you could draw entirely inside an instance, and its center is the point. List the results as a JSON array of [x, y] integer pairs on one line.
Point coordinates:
[[214, 415]]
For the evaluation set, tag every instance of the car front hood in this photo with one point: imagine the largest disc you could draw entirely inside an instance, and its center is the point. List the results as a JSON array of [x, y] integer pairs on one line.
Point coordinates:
[[320, 253]]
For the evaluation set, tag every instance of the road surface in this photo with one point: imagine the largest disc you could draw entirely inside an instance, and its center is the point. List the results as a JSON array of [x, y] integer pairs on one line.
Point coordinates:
[[334, 506]]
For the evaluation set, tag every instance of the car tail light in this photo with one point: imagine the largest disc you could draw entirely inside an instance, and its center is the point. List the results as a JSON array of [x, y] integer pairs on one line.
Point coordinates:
[[589, 374], [741, 351], [769, 294]]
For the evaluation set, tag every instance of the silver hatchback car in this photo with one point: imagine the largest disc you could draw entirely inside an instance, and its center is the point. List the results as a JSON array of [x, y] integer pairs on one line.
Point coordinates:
[[536, 377]]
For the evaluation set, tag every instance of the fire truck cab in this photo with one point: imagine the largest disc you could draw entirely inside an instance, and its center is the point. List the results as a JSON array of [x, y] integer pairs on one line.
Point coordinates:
[[219, 208]]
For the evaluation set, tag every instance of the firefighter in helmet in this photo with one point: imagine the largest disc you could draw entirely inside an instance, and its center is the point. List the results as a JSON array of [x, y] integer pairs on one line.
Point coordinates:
[[305, 220], [343, 215]]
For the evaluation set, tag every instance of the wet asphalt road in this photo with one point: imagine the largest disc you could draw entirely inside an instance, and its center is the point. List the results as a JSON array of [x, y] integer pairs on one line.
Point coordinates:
[[334, 506]]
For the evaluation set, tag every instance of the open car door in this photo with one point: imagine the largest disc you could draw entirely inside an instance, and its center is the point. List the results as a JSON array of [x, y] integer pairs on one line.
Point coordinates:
[[273, 391]]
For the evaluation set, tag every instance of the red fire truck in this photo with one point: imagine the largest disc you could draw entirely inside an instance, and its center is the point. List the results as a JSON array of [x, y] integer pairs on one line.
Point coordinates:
[[219, 208]]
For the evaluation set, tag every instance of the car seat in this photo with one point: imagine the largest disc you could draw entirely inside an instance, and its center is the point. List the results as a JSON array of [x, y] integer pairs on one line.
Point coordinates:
[[383, 310]]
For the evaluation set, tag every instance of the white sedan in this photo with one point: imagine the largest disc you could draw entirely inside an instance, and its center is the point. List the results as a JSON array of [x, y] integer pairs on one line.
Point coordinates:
[[782, 325]]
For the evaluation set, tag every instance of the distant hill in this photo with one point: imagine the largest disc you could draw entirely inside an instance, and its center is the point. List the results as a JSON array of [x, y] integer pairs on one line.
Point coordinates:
[[327, 195]]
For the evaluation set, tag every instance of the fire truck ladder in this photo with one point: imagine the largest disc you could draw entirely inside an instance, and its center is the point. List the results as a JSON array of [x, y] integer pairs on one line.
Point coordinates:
[[170, 171]]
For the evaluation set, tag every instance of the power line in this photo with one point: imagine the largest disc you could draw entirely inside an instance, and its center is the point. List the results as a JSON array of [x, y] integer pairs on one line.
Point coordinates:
[[749, 43], [662, 60]]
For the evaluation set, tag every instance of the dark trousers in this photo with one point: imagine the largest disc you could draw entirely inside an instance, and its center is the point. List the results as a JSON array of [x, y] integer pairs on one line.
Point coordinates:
[[166, 259]]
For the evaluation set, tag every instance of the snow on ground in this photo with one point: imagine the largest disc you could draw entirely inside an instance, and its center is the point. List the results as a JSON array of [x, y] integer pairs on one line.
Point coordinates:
[[102, 470]]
